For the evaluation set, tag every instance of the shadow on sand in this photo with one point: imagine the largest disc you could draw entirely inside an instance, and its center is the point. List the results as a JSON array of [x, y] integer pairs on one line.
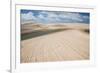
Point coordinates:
[[37, 33]]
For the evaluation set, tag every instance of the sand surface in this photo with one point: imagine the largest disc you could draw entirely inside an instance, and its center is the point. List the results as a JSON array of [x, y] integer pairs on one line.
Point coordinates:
[[59, 46]]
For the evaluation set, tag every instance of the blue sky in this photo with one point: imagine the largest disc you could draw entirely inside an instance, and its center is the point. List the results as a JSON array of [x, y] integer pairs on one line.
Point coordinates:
[[42, 16]]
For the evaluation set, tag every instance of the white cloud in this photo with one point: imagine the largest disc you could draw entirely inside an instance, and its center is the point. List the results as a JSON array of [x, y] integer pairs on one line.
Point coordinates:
[[71, 16], [46, 17], [27, 17], [86, 17], [54, 17]]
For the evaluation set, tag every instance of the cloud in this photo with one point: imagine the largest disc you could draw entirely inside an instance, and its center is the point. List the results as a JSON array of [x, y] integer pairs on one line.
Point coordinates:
[[71, 17], [54, 17], [85, 17], [27, 17]]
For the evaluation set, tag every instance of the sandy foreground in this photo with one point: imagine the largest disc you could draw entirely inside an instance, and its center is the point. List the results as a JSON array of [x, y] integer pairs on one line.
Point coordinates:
[[72, 44]]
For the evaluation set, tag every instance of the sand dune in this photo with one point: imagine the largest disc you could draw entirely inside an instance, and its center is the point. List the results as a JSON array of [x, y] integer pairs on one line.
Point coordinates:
[[72, 44]]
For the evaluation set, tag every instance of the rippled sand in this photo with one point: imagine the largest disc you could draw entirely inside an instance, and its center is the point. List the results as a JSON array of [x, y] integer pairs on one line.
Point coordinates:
[[71, 44]]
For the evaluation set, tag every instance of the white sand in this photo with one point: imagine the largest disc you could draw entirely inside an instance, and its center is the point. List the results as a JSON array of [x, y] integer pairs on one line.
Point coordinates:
[[59, 46]]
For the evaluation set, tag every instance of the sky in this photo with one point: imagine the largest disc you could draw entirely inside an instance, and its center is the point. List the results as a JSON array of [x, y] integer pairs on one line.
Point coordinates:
[[46, 17]]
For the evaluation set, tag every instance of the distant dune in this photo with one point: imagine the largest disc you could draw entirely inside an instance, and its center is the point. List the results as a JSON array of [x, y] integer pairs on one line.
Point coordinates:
[[59, 42], [26, 28]]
